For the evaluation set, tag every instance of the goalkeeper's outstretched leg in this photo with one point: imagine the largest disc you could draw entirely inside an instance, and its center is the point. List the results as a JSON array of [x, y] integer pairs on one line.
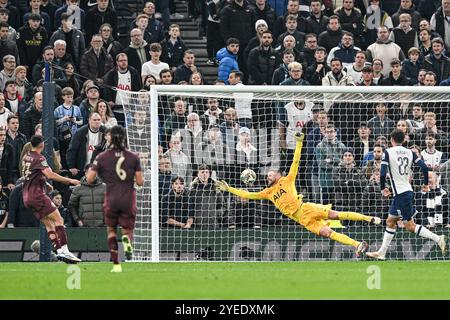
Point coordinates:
[[360, 246], [353, 216]]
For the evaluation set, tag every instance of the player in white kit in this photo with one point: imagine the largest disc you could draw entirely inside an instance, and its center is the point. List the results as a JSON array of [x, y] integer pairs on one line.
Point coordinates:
[[397, 162]]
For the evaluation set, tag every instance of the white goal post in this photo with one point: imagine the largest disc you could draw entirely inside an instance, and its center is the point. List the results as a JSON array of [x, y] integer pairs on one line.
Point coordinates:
[[204, 224]]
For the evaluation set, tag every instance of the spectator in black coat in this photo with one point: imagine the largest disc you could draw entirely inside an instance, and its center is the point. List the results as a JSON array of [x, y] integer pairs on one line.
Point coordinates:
[[112, 80], [317, 71], [307, 53], [407, 6], [31, 40], [293, 7], [173, 48], [71, 36], [154, 26], [237, 21], [395, 78], [17, 140], [98, 15], [73, 9], [176, 206], [427, 7], [264, 61], [348, 183], [362, 144], [373, 202], [437, 61], [265, 12], [412, 65], [96, 62], [6, 162], [3, 207], [260, 26], [165, 175], [111, 46], [184, 71], [83, 144], [14, 15], [48, 55], [317, 22], [282, 72], [351, 21], [440, 23], [291, 29], [332, 36], [138, 51], [32, 116], [7, 46]]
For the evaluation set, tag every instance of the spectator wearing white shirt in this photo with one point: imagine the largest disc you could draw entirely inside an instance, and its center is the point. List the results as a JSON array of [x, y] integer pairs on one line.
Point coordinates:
[[355, 70], [242, 101], [432, 157], [154, 66], [125, 78], [4, 112]]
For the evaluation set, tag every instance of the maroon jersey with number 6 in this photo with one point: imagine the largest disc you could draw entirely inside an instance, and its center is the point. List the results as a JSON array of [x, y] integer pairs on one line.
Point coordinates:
[[118, 169], [34, 185]]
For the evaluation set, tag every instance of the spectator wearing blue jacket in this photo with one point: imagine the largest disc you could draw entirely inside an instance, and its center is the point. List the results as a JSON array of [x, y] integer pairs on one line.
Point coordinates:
[[227, 58], [278, 5], [445, 82]]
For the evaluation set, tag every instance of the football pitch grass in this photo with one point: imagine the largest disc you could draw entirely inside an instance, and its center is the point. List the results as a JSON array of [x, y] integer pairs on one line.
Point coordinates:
[[242, 280]]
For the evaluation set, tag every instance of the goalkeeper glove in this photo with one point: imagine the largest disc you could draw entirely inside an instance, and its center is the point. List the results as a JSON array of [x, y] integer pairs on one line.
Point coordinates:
[[299, 136], [221, 185]]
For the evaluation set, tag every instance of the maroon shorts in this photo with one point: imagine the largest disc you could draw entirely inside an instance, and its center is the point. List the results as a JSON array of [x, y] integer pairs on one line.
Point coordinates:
[[41, 205], [123, 215]]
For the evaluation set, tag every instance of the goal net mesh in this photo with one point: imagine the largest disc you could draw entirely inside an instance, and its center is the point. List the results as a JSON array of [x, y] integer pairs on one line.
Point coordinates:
[[207, 136]]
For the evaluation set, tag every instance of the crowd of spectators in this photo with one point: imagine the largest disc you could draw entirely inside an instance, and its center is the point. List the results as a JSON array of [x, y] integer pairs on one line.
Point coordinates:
[[250, 42]]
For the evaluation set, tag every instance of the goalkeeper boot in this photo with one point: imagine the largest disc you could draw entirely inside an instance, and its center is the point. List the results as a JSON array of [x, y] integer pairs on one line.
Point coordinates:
[[127, 247], [362, 247], [376, 255], [443, 244], [67, 257], [116, 268], [375, 220]]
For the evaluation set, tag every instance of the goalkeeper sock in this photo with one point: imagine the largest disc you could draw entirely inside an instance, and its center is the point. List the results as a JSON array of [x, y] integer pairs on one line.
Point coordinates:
[[342, 238], [354, 216], [425, 233], [113, 249], [387, 238]]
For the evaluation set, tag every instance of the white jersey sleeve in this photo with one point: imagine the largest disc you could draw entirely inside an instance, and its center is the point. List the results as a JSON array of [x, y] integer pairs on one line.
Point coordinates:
[[399, 161]]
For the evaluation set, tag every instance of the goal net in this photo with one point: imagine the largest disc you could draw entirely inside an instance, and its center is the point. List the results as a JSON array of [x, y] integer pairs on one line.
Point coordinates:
[[190, 136]]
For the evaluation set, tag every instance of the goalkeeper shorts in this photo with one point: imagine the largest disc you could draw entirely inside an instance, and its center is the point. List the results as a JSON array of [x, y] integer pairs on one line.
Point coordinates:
[[312, 216]]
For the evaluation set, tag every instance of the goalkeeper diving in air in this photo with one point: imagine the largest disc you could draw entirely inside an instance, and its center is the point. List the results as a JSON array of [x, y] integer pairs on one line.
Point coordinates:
[[283, 194]]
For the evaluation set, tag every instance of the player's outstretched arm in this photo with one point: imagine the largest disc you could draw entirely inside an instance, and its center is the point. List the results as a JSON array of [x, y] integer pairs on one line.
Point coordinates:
[[223, 186], [297, 154], [48, 172]]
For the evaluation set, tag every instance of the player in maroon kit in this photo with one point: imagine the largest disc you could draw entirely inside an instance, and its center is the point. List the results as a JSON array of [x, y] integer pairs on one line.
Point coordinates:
[[119, 169], [34, 170]]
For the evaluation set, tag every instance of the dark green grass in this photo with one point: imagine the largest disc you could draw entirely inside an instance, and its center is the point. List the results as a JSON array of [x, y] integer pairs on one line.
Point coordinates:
[[277, 280]]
